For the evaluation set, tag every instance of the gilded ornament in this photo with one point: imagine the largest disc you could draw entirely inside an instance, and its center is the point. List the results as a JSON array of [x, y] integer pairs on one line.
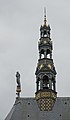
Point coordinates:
[[41, 66], [49, 66]]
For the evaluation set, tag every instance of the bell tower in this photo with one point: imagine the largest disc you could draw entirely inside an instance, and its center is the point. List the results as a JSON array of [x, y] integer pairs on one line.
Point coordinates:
[[45, 72]]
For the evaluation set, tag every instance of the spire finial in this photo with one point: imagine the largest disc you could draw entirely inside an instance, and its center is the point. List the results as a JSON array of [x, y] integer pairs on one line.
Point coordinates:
[[45, 16]]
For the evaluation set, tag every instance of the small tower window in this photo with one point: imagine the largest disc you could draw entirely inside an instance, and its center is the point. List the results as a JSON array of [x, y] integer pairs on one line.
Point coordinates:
[[42, 53], [48, 56], [45, 33], [48, 53], [45, 82], [38, 84]]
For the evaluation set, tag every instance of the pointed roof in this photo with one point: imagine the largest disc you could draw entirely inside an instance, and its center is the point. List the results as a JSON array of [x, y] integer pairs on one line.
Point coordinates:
[[27, 108]]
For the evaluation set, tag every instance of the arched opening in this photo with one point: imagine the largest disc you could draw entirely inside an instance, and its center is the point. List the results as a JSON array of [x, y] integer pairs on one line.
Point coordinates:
[[49, 34], [38, 84], [53, 84], [45, 33], [48, 53], [42, 53], [45, 82]]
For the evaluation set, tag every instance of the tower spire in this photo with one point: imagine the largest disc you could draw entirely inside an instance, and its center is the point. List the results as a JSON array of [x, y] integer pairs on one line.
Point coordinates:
[[45, 16], [45, 72]]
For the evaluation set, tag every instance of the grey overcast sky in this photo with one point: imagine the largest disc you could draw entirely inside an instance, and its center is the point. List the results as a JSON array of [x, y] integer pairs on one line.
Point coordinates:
[[20, 21]]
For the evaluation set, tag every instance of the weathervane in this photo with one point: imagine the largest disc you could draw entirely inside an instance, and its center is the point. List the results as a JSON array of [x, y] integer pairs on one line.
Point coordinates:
[[18, 90]]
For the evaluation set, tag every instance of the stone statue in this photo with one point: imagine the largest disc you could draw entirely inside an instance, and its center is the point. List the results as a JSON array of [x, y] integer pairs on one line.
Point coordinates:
[[18, 78], [18, 90]]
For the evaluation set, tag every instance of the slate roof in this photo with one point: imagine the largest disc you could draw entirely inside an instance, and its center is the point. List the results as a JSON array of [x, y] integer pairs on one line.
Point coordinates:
[[27, 109]]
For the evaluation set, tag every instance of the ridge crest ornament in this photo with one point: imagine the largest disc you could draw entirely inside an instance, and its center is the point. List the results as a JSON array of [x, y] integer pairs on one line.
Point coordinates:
[[45, 72]]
